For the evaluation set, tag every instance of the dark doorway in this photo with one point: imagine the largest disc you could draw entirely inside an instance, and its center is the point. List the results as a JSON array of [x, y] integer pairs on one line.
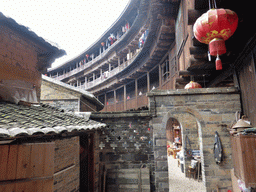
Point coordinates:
[[86, 163]]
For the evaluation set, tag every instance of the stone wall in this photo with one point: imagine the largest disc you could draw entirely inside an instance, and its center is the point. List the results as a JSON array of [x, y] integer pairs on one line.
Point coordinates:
[[200, 113], [52, 91], [125, 144], [60, 97], [66, 165], [71, 105]]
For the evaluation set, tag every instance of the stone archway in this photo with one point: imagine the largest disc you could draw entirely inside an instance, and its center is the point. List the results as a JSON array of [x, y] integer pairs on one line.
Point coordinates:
[[191, 124], [211, 110]]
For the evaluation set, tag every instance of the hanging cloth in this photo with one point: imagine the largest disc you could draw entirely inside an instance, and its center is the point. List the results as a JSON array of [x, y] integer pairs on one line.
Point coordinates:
[[217, 149], [187, 150]]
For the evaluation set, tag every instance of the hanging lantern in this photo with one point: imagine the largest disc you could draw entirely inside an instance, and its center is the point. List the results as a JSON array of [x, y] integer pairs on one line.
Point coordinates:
[[214, 27], [87, 56], [102, 44], [192, 85]]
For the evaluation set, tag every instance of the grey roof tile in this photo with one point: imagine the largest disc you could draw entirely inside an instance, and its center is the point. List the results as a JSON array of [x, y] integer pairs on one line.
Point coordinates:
[[25, 121]]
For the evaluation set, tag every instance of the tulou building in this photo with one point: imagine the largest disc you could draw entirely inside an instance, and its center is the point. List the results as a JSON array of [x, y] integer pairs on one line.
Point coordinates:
[[139, 68], [153, 92]]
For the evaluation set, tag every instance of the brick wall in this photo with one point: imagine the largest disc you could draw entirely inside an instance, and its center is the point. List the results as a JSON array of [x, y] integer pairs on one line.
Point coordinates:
[[66, 165], [200, 113], [126, 144]]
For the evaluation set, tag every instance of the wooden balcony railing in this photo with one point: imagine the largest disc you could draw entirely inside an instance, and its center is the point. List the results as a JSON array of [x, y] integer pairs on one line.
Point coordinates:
[[142, 100], [132, 103], [103, 77]]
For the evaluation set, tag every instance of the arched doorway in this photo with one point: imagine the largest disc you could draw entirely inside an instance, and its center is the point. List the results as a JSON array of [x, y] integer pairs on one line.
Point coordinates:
[[183, 153], [174, 143]]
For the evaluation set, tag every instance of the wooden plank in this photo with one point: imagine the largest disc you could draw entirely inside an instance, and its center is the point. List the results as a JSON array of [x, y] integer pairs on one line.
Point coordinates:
[[12, 162], [49, 159], [7, 188], [36, 161], [27, 186], [43, 185], [249, 148], [4, 150], [23, 161]]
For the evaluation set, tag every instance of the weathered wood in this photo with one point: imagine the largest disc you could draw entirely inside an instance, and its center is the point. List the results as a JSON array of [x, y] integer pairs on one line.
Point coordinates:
[[194, 73], [198, 51], [4, 150], [193, 15], [49, 159], [181, 80], [28, 185], [197, 62], [244, 155], [12, 163], [23, 161]]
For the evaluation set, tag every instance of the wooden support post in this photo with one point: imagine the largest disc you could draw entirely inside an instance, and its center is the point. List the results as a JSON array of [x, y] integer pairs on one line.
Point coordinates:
[[136, 91], [148, 81], [193, 15], [119, 62], [125, 97], [105, 102], [115, 99], [160, 76]]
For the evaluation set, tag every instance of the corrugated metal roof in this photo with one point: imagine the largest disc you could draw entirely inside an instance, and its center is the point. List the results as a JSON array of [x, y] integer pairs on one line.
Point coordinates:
[[18, 121]]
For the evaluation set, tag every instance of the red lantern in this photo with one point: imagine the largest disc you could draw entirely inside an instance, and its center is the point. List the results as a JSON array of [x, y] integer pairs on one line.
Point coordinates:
[[214, 27], [87, 56], [192, 85], [102, 43]]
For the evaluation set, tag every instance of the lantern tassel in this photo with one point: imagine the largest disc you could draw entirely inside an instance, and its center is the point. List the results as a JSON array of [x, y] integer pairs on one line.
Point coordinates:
[[218, 63]]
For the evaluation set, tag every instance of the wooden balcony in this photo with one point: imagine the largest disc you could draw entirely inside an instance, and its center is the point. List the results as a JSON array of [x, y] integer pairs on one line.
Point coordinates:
[[133, 103]]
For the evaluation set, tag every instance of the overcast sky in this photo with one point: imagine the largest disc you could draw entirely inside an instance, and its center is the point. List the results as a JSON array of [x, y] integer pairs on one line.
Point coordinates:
[[73, 25]]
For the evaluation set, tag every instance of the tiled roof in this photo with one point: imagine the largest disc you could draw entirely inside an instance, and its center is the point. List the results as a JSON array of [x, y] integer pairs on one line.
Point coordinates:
[[30, 34], [24, 121], [84, 93]]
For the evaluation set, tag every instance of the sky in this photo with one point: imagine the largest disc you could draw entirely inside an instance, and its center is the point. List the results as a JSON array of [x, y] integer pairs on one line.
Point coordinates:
[[71, 25]]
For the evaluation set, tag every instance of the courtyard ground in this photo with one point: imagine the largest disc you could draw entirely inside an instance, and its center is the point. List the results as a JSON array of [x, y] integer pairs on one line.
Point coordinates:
[[178, 182]]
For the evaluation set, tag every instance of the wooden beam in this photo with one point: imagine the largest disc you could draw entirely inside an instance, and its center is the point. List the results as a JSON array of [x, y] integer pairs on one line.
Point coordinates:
[[197, 62], [194, 73], [181, 80], [198, 50], [193, 15], [221, 77]]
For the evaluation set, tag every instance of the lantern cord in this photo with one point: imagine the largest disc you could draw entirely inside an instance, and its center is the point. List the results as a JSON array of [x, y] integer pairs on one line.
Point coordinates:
[[212, 4]]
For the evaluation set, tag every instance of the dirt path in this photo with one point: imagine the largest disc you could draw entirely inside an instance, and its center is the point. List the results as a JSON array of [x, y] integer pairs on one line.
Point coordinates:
[[178, 182]]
